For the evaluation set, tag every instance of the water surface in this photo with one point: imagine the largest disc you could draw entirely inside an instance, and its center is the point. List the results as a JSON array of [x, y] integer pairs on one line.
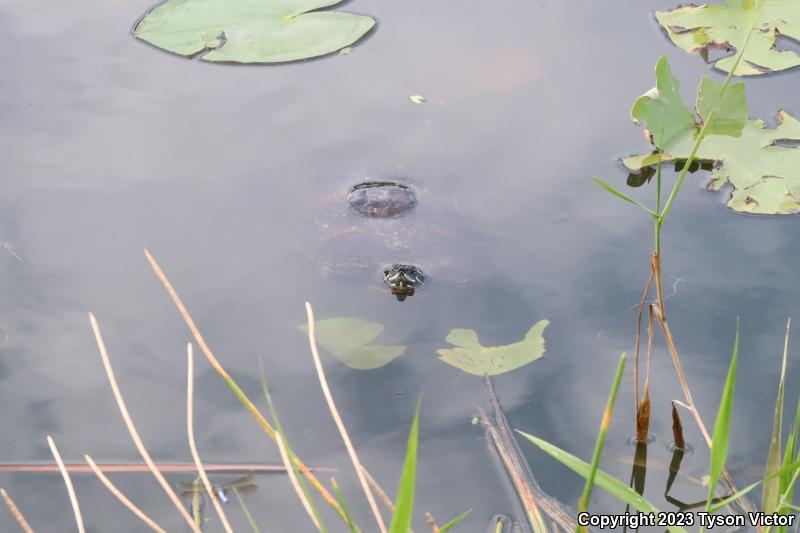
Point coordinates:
[[110, 146]]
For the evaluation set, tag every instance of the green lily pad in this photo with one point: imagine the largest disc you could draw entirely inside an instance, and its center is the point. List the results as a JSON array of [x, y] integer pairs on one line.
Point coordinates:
[[473, 358], [348, 339], [764, 174], [701, 28], [251, 31]]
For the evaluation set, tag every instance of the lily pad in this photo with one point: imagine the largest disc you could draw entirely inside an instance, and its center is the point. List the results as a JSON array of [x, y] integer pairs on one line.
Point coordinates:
[[473, 358], [348, 339], [701, 28], [251, 31], [764, 174]]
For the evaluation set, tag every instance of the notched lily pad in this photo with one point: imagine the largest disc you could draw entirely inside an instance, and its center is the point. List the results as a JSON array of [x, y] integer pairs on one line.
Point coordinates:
[[473, 358], [251, 31], [726, 25], [762, 169], [349, 340]]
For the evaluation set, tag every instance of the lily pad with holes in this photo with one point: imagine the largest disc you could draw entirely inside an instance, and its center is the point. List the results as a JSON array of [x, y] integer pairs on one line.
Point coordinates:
[[728, 24], [473, 358], [349, 340], [251, 31]]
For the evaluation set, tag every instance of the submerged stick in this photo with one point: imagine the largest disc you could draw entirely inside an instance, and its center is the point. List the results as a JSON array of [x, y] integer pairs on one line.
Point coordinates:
[[15, 512], [533, 499], [121, 497], [323, 382], [193, 445], [137, 441], [73, 499], [240, 395]]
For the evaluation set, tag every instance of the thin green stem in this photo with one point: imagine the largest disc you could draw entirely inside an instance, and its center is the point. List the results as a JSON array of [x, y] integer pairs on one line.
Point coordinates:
[[714, 111], [657, 222]]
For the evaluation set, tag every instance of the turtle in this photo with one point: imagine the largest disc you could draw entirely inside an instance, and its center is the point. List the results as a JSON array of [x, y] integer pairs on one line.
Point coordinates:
[[388, 228]]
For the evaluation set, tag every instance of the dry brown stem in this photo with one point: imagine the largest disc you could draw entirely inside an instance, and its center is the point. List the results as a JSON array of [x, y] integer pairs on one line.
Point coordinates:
[[193, 445], [15, 512], [73, 499], [121, 497], [323, 382], [268, 429], [132, 428]]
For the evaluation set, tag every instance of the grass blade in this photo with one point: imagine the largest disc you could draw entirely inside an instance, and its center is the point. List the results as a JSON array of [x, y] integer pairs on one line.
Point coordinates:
[[722, 425], [601, 439], [791, 452], [739, 494], [404, 501], [193, 445], [624, 196], [340, 498], [454, 522], [605, 481], [287, 456], [250, 521], [772, 488]]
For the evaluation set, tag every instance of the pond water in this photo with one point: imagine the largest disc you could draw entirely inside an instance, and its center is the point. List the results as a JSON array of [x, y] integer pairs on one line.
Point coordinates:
[[110, 146]]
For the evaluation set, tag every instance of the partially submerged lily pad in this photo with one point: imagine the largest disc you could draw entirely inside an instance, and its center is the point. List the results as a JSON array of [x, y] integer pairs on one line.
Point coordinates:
[[473, 358], [764, 174], [349, 340], [701, 28], [251, 31]]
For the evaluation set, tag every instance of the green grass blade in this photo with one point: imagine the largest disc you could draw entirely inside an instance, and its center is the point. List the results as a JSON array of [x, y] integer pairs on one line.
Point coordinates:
[[281, 435], [601, 440], [404, 501], [249, 517], [454, 522], [340, 499], [623, 196], [722, 425], [791, 452], [603, 480], [772, 488], [739, 494]]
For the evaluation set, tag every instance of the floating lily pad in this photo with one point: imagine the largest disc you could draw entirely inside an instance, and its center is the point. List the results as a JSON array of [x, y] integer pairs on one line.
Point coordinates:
[[473, 358], [764, 174], [348, 339], [251, 31], [701, 28]]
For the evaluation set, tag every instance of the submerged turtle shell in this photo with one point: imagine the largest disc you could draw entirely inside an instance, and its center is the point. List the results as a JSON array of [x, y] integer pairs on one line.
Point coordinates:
[[382, 199], [403, 223]]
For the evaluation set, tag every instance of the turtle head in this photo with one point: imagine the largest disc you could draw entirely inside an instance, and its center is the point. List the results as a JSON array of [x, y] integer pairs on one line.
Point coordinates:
[[403, 280]]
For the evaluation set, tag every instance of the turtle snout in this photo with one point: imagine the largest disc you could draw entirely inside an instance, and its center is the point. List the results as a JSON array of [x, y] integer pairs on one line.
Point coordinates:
[[403, 280]]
